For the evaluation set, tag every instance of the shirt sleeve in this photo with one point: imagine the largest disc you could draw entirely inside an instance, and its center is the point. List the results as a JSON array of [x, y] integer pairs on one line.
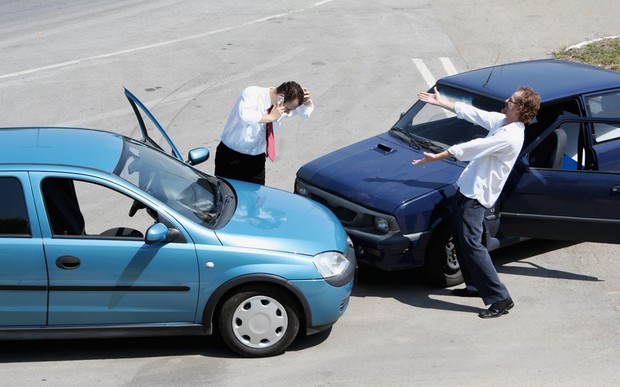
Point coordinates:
[[480, 147], [487, 120], [250, 110], [303, 111]]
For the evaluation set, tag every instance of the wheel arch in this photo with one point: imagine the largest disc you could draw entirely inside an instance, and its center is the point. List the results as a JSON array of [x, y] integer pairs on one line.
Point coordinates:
[[234, 285]]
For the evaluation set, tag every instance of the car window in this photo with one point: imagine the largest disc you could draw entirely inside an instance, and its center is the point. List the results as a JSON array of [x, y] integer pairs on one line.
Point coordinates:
[[561, 148], [13, 212], [607, 106], [185, 189], [440, 126], [78, 208]]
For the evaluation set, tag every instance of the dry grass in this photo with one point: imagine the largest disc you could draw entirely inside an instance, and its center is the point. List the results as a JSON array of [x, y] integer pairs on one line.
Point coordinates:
[[603, 53]]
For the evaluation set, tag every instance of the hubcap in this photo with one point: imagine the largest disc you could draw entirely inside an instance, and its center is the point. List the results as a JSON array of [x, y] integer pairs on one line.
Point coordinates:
[[259, 322]]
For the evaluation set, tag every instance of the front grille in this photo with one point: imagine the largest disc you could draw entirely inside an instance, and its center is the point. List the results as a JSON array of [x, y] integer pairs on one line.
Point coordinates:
[[344, 214]]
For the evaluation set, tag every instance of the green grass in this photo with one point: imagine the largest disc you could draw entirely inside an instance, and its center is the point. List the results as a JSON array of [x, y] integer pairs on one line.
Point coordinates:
[[603, 53]]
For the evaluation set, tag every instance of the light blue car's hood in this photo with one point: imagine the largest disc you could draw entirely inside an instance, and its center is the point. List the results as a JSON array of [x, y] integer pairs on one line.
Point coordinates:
[[267, 218]]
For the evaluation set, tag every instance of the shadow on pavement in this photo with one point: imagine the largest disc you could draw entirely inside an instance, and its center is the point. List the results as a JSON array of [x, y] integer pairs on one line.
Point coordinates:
[[409, 286]]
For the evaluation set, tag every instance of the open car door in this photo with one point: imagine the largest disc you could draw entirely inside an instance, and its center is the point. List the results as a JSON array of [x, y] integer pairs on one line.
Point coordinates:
[[577, 198], [195, 156]]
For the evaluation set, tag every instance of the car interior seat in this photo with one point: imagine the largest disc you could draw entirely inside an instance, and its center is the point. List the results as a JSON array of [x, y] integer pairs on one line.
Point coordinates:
[[62, 206], [550, 152]]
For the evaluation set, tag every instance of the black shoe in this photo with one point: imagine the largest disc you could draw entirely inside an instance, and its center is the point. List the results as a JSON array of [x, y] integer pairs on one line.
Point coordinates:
[[497, 309], [465, 292]]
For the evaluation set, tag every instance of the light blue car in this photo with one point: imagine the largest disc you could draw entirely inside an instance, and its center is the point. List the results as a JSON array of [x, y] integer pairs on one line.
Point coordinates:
[[102, 235]]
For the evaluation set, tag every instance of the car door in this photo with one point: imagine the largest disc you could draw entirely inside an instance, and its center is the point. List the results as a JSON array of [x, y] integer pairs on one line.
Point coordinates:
[[23, 274], [578, 200], [101, 271]]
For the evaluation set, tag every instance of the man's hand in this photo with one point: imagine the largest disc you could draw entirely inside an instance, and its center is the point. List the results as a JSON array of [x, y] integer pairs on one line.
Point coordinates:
[[307, 100], [436, 99], [432, 98], [428, 157], [276, 113]]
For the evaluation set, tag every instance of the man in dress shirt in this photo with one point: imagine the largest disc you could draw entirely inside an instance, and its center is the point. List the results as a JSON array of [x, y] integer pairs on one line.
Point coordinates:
[[241, 153], [490, 161]]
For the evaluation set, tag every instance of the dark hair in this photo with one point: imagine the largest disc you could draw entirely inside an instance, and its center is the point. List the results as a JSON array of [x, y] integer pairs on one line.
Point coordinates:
[[529, 100], [291, 91]]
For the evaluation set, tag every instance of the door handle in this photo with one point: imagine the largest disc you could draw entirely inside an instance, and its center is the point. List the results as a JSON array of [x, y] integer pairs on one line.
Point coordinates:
[[68, 262], [615, 189]]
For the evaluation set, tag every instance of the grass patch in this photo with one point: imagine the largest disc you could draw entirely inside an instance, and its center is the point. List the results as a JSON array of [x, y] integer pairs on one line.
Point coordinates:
[[602, 53]]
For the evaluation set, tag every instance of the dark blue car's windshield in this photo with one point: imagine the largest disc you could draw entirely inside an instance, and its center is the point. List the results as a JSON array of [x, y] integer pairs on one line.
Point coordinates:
[[437, 128], [186, 190]]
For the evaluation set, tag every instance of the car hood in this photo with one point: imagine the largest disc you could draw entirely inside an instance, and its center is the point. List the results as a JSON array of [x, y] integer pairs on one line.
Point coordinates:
[[272, 219], [377, 173]]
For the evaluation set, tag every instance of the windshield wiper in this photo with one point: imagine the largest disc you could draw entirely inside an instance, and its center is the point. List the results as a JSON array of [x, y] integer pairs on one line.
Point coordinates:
[[428, 144], [412, 141], [418, 142]]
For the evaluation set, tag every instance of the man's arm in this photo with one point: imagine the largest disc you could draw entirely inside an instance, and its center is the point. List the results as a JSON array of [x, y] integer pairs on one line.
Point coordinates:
[[428, 157], [436, 99]]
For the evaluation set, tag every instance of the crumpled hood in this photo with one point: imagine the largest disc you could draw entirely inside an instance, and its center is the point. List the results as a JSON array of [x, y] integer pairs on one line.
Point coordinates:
[[272, 219], [377, 173]]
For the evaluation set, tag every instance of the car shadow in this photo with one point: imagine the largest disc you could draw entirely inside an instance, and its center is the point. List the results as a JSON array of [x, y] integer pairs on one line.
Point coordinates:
[[121, 348], [131, 348], [409, 286]]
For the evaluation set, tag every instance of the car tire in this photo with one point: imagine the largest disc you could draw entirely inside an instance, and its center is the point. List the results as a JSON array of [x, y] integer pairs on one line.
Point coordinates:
[[258, 322], [441, 267]]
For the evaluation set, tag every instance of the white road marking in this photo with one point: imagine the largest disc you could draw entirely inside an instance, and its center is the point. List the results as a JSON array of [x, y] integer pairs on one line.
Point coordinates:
[[448, 66], [426, 73], [156, 45]]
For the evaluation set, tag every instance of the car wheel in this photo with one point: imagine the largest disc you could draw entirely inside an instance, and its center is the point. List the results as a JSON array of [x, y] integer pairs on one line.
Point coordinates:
[[441, 265], [258, 322]]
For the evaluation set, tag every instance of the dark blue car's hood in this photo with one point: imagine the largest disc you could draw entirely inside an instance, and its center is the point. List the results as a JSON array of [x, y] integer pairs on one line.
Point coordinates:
[[377, 173]]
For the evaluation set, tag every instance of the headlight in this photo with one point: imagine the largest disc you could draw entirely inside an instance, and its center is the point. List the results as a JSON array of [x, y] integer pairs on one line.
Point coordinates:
[[300, 189], [331, 263], [382, 225]]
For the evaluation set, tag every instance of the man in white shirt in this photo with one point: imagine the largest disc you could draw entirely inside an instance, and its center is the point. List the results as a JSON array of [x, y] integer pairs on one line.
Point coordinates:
[[241, 153], [490, 161]]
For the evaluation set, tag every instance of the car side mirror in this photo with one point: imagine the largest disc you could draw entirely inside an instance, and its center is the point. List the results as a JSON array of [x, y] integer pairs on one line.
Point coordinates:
[[159, 232], [197, 156]]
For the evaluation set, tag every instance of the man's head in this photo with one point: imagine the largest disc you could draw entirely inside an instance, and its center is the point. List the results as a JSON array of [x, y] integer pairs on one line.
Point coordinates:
[[523, 104], [293, 94]]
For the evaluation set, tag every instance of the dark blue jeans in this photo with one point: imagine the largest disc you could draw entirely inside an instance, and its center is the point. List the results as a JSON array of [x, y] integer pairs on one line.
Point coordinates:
[[476, 265]]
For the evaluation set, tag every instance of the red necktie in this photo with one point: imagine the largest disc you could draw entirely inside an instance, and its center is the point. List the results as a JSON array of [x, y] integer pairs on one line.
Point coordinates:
[[271, 140]]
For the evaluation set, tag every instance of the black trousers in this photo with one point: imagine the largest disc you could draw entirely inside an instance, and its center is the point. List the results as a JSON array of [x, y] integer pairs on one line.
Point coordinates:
[[476, 265], [234, 165]]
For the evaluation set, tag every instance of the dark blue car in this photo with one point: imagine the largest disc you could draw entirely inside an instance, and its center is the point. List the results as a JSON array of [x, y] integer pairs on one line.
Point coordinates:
[[565, 184]]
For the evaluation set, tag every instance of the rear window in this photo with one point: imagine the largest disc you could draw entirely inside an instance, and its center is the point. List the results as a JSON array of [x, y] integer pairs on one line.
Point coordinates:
[[13, 213]]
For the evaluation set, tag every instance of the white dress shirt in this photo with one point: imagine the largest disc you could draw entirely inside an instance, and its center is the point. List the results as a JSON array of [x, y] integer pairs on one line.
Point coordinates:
[[491, 158], [243, 132]]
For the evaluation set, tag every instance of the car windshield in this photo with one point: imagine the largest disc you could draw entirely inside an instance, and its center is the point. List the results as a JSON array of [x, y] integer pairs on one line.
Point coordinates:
[[431, 127], [185, 189]]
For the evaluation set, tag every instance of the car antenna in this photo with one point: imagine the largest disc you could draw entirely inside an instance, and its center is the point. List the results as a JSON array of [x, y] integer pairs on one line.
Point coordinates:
[[493, 68]]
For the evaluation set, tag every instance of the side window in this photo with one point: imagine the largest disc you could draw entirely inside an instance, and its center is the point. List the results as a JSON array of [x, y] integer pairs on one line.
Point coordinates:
[[13, 212], [605, 106], [560, 148], [80, 208]]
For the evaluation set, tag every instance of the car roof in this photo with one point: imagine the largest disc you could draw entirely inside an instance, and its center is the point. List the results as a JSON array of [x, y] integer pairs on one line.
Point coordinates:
[[87, 148], [552, 79]]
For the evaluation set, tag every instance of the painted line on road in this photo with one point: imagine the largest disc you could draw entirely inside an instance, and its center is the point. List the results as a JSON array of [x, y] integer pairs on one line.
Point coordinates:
[[448, 66], [160, 44], [426, 73], [430, 80]]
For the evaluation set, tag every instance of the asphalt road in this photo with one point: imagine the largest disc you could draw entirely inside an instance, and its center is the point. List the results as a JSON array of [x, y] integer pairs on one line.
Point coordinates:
[[65, 63]]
